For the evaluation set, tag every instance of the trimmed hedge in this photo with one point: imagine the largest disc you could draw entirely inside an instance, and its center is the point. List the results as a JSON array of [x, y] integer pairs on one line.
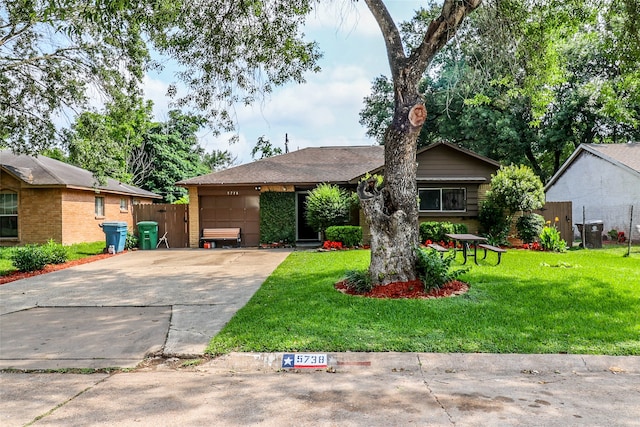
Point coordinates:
[[435, 231], [349, 235], [277, 217]]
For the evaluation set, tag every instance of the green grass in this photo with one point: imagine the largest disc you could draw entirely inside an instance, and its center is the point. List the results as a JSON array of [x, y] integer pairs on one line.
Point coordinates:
[[76, 251], [584, 301]]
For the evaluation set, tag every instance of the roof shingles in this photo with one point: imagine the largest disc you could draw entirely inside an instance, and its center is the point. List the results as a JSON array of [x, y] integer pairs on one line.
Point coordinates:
[[627, 154], [44, 171], [306, 166]]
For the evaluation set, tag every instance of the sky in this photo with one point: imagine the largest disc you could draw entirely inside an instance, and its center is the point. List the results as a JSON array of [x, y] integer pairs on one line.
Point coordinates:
[[324, 111]]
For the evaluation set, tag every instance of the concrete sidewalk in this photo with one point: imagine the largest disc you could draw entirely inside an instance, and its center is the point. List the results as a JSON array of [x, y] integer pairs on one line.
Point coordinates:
[[117, 311], [359, 389]]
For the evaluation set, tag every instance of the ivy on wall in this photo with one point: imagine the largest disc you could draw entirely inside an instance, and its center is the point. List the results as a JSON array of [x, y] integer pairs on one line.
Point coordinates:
[[277, 217]]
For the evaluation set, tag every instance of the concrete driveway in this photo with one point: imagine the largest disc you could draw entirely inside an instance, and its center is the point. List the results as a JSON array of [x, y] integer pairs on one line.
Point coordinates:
[[114, 312]]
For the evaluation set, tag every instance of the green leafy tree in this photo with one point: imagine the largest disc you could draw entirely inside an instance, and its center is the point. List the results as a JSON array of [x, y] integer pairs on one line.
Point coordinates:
[[327, 205], [226, 52], [108, 143], [133, 149], [233, 52], [219, 160], [265, 149], [484, 82], [174, 154], [52, 53]]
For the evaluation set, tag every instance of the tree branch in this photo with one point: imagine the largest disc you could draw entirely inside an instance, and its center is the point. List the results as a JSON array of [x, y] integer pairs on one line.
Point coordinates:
[[440, 31], [15, 32], [395, 50]]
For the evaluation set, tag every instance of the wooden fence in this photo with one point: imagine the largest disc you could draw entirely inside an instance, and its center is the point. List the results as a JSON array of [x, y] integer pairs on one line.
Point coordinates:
[[563, 212], [172, 219]]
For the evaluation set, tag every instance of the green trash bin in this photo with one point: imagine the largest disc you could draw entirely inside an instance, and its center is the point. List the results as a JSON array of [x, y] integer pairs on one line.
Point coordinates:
[[148, 234]]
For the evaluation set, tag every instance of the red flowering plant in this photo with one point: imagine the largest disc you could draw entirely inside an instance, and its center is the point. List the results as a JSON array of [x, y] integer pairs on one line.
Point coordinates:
[[535, 246], [328, 245]]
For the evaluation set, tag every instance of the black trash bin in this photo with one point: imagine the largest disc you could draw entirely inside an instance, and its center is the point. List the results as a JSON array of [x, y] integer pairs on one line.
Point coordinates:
[[593, 234]]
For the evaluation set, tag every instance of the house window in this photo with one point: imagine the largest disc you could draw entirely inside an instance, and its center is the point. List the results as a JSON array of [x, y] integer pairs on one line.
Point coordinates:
[[124, 205], [8, 215], [99, 206], [443, 199]]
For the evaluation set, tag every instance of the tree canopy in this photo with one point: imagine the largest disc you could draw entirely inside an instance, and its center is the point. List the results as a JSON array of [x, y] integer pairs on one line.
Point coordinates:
[[124, 143], [528, 90], [55, 55]]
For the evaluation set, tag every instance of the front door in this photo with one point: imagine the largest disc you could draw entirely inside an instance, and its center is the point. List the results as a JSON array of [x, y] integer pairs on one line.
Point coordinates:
[[304, 232]]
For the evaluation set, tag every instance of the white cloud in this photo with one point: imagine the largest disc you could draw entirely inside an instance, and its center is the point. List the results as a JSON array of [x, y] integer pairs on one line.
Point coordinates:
[[325, 110], [317, 103]]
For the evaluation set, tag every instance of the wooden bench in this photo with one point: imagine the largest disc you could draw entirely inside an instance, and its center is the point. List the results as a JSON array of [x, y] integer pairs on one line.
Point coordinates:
[[214, 234], [438, 248], [491, 248]]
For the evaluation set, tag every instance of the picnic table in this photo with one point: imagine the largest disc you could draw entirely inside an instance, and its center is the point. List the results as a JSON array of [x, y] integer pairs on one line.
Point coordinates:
[[466, 241]]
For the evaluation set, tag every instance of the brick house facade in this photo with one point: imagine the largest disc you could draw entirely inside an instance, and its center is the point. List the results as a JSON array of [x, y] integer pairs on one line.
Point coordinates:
[[42, 199]]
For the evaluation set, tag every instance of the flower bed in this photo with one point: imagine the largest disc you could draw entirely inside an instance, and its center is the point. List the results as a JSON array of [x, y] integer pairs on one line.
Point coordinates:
[[411, 289]]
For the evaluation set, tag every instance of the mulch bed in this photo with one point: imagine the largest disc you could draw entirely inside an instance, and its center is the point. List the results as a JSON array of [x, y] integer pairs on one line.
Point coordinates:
[[17, 275], [411, 289]]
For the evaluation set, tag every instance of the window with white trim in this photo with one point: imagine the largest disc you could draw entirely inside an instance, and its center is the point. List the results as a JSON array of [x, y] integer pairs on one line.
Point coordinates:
[[124, 204], [8, 215], [99, 206], [443, 199]]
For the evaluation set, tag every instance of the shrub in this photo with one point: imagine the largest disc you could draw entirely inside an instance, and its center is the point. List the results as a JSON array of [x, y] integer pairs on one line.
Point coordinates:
[[349, 235], [358, 280], [494, 223], [529, 227], [551, 241], [29, 258], [327, 205], [435, 231], [434, 270], [55, 253], [131, 241], [277, 217], [516, 188]]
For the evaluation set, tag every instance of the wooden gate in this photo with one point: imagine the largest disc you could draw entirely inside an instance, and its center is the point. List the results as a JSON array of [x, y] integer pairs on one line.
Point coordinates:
[[563, 211], [172, 219]]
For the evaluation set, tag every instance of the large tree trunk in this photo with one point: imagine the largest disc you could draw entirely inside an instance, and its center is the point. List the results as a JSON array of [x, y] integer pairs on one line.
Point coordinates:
[[392, 213]]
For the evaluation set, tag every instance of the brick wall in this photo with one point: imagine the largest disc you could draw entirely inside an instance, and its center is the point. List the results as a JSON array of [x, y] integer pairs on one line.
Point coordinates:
[[39, 215], [79, 222], [194, 218], [64, 215]]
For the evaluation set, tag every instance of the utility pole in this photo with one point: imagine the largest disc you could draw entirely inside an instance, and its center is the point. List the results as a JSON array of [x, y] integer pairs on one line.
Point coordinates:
[[286, 143]]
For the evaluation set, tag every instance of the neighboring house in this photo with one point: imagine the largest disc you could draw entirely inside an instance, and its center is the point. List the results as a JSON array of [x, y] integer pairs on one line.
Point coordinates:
[[602, 179], [42, 198], [451, 183]]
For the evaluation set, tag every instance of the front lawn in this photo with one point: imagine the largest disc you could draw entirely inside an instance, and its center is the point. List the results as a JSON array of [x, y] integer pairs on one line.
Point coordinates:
[[584, 301], [76, 251]]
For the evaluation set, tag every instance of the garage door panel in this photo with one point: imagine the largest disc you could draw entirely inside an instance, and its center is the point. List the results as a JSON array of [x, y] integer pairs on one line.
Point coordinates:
[[241, 211]]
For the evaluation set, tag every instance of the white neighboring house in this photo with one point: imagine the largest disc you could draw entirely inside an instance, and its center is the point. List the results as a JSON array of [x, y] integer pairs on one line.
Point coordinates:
[[605, 180]]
